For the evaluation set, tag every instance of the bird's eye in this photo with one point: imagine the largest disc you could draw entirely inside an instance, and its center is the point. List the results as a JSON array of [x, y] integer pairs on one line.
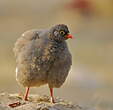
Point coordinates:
[[62, 32]]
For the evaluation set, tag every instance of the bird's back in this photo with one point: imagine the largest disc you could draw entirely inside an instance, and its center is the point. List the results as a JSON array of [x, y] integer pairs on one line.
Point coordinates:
[[31, 52]]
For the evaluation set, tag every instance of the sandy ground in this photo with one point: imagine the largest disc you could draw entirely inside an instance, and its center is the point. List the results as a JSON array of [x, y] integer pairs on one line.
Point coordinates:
[[35, 102]]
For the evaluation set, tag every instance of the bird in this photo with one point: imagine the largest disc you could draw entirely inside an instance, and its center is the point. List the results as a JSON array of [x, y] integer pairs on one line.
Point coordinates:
[[42, 57]]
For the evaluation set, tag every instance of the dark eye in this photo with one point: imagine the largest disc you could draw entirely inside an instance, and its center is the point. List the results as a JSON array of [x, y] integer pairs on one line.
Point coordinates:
[[62, 32]]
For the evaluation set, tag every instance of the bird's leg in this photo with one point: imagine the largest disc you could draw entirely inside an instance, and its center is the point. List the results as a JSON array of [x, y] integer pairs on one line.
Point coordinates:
[[26, 94], [18, 103], [51, 93]]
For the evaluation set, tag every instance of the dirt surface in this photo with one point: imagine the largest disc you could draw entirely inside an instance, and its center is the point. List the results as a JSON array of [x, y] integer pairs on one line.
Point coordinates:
[[35, 103]]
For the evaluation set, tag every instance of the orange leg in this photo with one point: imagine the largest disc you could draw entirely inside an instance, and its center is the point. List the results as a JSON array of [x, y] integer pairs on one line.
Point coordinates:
[[52, 97], [26, 94], [18, 103]]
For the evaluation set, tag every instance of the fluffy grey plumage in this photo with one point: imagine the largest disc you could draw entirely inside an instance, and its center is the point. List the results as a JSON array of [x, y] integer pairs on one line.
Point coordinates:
[[42, 57]]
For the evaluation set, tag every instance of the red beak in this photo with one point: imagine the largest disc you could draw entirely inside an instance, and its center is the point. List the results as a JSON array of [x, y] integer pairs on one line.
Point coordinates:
[[69, 36]]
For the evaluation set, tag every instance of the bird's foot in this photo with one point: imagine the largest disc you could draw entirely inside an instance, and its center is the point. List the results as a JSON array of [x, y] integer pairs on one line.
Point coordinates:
[[14, 104], [26, 99], [52, 100]]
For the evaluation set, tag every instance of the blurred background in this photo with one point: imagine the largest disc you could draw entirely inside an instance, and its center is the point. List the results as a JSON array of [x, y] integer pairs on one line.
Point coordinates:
[[90, 82]]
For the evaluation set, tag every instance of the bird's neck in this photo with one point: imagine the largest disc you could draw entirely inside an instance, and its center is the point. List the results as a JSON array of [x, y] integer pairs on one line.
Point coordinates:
[[58, 46]]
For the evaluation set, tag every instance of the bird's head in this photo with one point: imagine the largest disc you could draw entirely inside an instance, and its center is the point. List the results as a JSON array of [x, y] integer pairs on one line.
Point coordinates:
[[60, 33]]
